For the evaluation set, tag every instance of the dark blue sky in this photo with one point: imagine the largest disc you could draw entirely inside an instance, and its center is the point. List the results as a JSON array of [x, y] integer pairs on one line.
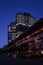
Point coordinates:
[[8, 10]]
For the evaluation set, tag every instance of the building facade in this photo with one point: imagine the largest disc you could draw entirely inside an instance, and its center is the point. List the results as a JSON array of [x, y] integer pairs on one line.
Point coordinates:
[[11, 32], [25, 19], [23, 22], [31, 42]]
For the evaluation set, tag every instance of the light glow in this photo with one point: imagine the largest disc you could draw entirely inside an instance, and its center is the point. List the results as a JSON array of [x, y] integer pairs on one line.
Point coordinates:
[[41, 52]]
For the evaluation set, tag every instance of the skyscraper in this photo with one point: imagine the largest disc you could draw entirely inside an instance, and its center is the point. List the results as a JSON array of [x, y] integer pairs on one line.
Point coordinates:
[[25, 19], [11, 31], [23, 22]]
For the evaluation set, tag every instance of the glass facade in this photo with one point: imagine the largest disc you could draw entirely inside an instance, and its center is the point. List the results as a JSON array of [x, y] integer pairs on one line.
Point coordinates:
[[11, 32], [19, 26], [25, 18], [13, 36], [22, 28]]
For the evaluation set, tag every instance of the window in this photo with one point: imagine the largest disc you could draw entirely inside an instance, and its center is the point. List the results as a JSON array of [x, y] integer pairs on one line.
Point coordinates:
[[13, 27], [13, 36], [26, 18]]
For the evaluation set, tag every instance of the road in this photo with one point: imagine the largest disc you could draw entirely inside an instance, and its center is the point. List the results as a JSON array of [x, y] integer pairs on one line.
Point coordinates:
[[20, 61]]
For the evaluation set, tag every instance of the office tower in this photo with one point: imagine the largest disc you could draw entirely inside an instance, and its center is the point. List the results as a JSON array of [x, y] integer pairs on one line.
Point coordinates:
[[23, 22], [11, 31], [25, 19]]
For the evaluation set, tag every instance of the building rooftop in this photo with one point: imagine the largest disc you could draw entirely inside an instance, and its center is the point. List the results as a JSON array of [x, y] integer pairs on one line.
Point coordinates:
[[26, 14]]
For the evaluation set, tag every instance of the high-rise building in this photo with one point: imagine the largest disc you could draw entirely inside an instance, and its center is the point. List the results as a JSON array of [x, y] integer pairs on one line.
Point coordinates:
[[11, 32], [22, 23], [25, 19]]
